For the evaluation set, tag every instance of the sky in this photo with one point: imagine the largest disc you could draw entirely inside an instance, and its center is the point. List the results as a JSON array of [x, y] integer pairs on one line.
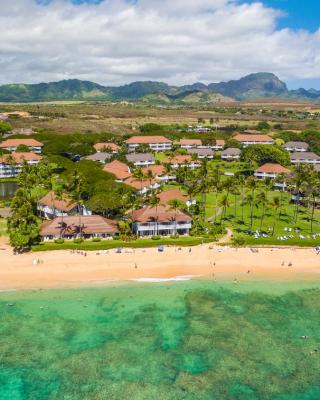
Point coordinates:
[[113, 42]]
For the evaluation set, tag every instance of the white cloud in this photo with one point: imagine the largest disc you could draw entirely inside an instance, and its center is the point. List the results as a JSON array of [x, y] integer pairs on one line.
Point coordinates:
[[177, 41]]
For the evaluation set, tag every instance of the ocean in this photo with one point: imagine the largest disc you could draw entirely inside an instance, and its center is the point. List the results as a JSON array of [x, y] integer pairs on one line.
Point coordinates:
[[169, 340]]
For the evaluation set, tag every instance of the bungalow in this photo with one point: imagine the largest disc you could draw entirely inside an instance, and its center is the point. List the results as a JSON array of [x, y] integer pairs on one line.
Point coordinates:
[[304, 157], [271, 171], [231, 154], [160, 220], [156, 143], [142, 186], [175, 194], [13, 144], [140, 159], [100, 157], [119, 169], [11, 164], [296, 146], [23, 131], [184, 161], [159, 173], [202, 153], [111, 147], [190, 143], [49, 207], [92, 226], [220, 143], [247, 140]]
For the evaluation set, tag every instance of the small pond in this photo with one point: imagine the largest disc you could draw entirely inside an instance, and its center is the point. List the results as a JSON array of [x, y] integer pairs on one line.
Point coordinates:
[[7, 189]]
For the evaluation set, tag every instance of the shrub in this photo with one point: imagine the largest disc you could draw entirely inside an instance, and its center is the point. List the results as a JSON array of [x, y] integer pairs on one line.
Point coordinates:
[[156, 237], [59, 241], [238, 240], [78, 240], [174, 236], [96, 239]]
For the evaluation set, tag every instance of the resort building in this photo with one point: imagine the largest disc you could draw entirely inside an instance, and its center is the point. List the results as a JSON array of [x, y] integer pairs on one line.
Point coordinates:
[[100, 157], [142, 186], [119, 169], [93, 226], [190, 143], [140, 159], [175, 194], [271, 171], [13, 144], [107, 147], [50, 207], [247, 140], [304, 157], [11, 164], [296, 146], [231, 154], [184, 161], [220, 143], [23, 131], [155, 143], [161, 220], [159, 173], [202, 153]]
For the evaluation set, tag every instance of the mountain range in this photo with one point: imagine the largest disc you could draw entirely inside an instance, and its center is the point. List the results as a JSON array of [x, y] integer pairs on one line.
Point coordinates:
[[251, 87]]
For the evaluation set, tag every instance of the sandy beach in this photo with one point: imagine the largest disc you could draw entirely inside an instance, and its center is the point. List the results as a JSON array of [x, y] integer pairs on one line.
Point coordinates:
[[58, 269]]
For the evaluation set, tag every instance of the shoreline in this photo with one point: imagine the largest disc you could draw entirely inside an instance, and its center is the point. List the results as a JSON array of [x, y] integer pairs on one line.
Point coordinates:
[[67, 269]]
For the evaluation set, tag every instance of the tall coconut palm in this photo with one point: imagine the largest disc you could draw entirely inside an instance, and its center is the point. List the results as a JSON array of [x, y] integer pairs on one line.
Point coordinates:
[[154, 201], [224, 203], [235, 192], [276, 205], [77, 187], [138, 174], [262, 199], [175, 205], [252, 186]]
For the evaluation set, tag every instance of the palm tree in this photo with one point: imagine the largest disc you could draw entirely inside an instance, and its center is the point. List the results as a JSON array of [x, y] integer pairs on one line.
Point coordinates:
[[154, 201], [138, 174], [216, 185], [61, 196], [224, 203], [235, 192], [252, 184], [314, 194], [149, 176], [241, 182], [175, 205], [276, 205], [262, 199], [77, 189]]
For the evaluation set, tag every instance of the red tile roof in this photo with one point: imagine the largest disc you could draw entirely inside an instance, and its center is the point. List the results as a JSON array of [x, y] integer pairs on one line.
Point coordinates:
[[93, 224], [147, 140], [118, 169], [253, 138], [111, 146], [50, 200], [220, 142], [155, 169], [137, 184], [181, 159], [160, 213], [20, 157], [273, 169], [190, 142], [172, 194], [18, 142]]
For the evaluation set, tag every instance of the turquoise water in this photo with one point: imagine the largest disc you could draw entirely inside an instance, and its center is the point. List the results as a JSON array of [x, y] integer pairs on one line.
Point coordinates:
[[190, 340]]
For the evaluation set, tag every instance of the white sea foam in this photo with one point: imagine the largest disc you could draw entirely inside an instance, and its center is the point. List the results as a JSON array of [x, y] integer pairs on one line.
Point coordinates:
[[159, 280]]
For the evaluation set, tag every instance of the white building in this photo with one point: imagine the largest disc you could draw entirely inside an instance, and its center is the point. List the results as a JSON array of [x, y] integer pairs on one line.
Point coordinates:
[[155, 143], [231, 154], [12, 145], [140, 159], [161, 220], [304, 158], [296, 146], [11, 164], [247, 140]]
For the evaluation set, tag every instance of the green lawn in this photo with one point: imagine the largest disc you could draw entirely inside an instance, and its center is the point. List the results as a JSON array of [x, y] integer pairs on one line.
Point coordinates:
[[112, 244], [3, 227], [160, 156]]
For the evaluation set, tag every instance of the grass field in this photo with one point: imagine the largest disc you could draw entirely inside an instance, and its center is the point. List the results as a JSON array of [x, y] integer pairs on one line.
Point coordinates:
[[113, 244]]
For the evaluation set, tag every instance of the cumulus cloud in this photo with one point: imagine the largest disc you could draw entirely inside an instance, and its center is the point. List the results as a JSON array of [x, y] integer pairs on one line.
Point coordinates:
[[177, 41]]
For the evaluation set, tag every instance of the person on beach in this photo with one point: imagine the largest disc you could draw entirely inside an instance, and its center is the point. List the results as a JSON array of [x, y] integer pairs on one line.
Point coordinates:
[[135, 265]]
